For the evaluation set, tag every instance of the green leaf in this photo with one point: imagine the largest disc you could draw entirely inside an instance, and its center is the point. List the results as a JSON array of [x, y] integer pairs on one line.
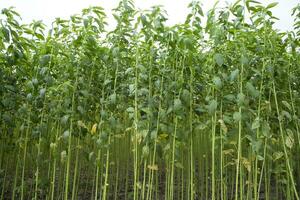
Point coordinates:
[[5, 32], [244, 60], [177, 105], [219, 59], [153, 134], [286, 104], [212, 107], [256, 145], [130, 109], [63, 156], [45, 59], [241, 99], [229, 97], [66, 134], [286, 115], [234, 74], [223, 126], [113, 98], [266, 129], [179, 165], [272, 5], [39, 36], [255, 124], [252, 90], [237, 116], [145, 151], [277, 155], [185, 96], [289, 140], [217, 81]]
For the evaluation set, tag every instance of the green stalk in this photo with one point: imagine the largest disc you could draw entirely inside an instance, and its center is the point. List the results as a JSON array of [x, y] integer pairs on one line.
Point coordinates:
[[135, 186], [221, 153], [66, 191], [24, 158], [213, 131], [75, 171], [289, 170], [52, 189], [191, 136], [239, 148], [116, 182], [4, 180], [106, 170], [16, 177], [149, 191]]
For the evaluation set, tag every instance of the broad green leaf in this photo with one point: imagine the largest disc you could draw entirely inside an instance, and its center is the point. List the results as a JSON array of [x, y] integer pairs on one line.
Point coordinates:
[[153, 134], [217, 82], [266, 129], [64, 119], [177, 105], [244, 60], [130, 109], [185, 96], [230, 97], [286, 115], [44, 60], [66, 134], [256, 145], [255, 124], [212, 106], [237, 116], [241, 99], [234, 74], [113, 98], [219, 59], [252, 90]]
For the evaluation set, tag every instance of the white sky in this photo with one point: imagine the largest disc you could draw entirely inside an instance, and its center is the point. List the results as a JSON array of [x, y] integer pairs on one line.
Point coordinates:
[[176, 9]]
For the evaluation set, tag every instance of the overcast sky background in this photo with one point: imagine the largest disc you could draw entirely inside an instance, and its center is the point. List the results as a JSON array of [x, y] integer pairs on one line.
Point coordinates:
[[177, 10]]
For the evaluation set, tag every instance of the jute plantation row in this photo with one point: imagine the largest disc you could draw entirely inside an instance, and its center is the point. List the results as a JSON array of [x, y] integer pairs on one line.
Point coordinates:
[[206, 109]]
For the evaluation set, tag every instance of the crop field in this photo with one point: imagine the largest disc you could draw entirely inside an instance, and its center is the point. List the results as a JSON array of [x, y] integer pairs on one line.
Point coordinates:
[[203, 110]]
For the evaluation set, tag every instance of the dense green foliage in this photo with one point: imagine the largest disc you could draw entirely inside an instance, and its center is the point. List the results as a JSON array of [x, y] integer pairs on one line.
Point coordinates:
[[207, 109]]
